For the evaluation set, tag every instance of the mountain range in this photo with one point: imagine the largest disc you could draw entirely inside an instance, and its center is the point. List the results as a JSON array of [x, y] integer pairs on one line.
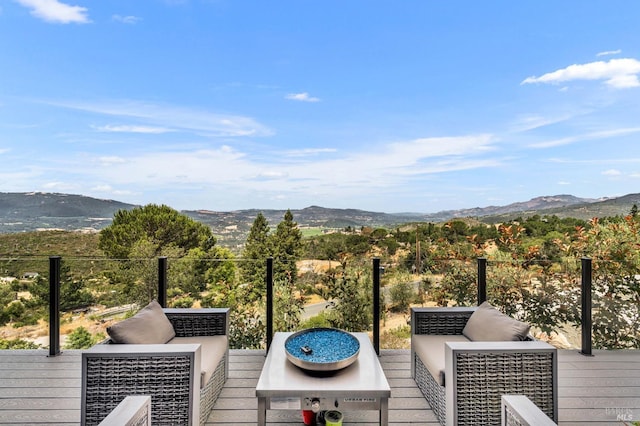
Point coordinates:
[[20, 212]]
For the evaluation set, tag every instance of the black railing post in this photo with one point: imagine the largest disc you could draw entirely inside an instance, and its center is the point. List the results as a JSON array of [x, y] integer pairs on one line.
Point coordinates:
[[54, 305], [585, 314], [269, 283], [482, 280], [162, 281], [376, 304]]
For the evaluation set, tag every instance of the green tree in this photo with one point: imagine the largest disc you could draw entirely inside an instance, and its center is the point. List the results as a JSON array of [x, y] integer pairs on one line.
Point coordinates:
[[137, 278], [7, 296], [256, 250], [161, 226], [224, 270], [616, 280], [455, 230], [193, 273], [73, 291], [287, 307], [14, 310], [401, 296], [351, 288], [141, 235], [287, 245]]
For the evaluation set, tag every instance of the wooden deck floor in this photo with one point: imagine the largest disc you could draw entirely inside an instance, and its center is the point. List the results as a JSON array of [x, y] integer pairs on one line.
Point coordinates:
[[599, 390]]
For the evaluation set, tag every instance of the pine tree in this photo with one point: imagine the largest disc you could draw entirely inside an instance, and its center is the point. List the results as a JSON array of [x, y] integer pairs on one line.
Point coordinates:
[[287, 243], [160, 225], [256, 250]]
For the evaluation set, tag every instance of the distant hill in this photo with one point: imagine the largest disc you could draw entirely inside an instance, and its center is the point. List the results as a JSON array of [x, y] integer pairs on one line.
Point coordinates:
[[617, 206], [534, 206], [21, 212], [31, 211]]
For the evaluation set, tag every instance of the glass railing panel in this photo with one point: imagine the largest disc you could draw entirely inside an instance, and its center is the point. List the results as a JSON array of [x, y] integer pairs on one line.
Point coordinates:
[[540, 293], [96, 292]]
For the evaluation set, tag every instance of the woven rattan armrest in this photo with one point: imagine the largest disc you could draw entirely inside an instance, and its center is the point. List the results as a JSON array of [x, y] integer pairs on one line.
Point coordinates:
[[479, 373], [169, 373]]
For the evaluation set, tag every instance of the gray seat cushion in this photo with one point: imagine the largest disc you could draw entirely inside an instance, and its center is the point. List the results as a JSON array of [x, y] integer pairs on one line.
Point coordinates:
[[430, 349], [487, 324], [212, 349]]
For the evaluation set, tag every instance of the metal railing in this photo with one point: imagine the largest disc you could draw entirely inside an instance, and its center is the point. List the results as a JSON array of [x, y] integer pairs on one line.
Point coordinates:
[[54, 299], [586, 294]]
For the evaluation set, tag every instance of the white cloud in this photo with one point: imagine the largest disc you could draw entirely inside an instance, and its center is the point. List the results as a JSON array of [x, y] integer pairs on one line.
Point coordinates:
[[302, 97], [110, 190], [527, 122], [612, 172], [133, 129], [309, 152], [4, 150], [59, 186], [56, 12], [383, 166], [272, 174], [609, 52], [129, 19], [589, 136], [176, 118], [617, 73], [111, 160]]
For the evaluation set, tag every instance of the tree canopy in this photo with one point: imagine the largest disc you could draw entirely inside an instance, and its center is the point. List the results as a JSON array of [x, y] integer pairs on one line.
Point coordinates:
[[160, 225]]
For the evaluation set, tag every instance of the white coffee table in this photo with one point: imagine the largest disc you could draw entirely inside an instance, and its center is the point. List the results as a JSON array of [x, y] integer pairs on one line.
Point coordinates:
[[360, 386]]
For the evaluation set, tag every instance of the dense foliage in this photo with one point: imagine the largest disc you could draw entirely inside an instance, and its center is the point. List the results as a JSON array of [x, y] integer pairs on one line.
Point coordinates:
[[284, 247], [136, 237], [537, 279], [157, 227], [17, 344], [533, 273], [81, 338]]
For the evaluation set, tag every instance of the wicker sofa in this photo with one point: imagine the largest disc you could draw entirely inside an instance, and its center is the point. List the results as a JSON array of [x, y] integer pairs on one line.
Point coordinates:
[[464, 380], [183, 376]]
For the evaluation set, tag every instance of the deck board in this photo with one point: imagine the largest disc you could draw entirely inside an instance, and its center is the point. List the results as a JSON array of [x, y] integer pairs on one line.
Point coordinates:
[[599, 390]]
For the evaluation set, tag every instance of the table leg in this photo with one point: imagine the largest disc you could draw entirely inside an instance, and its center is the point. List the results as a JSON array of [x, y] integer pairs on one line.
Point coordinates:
[[384, 412], [262, 411]]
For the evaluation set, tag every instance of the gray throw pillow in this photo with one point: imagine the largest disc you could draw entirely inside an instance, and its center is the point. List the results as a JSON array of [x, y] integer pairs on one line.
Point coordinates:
[[487, 324], [149, 326]]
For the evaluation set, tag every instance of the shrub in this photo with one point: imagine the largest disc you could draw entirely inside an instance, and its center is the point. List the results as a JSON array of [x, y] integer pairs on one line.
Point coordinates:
[[351, 288], [17, 344], [183, 302], [319, 320], [401, 297], [396, 338], [80, 338]]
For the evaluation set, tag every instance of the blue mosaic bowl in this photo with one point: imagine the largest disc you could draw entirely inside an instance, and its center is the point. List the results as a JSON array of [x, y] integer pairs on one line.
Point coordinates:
[[322, 349]]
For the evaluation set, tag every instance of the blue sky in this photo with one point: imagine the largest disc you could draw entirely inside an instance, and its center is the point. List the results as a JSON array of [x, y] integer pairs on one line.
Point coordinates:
[[390, 106]]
